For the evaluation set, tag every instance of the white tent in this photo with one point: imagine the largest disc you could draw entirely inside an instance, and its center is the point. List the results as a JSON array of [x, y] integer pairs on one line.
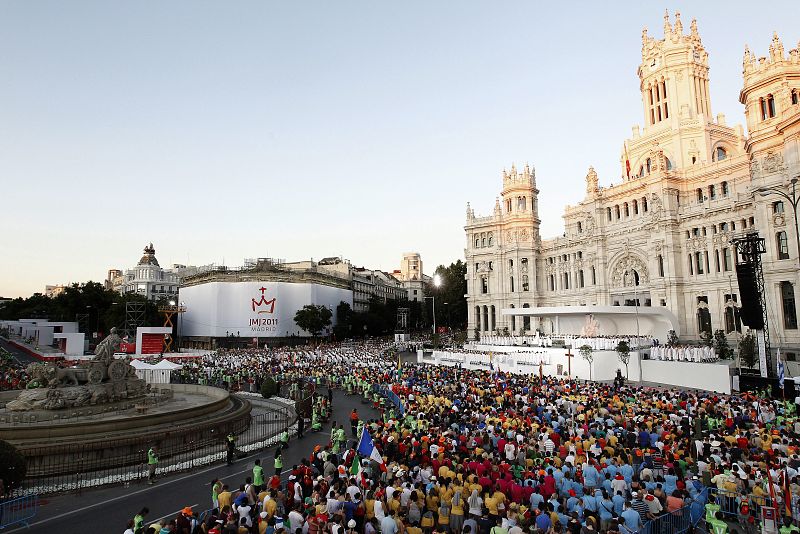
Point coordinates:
[[167, 365], [159, 373]]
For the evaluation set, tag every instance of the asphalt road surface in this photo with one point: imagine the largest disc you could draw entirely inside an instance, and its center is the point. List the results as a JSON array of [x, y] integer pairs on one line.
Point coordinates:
[[108, 510], [20, 356]]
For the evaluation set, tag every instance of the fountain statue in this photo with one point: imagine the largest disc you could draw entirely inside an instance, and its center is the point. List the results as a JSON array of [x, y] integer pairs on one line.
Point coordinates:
[[102, 380]]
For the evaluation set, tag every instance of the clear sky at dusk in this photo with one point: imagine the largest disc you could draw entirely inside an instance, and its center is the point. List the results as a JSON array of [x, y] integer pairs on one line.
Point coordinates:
[[226, 130]]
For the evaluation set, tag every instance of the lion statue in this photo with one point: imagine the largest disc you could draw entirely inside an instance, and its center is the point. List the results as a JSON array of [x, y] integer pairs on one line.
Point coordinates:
[[53, 375]]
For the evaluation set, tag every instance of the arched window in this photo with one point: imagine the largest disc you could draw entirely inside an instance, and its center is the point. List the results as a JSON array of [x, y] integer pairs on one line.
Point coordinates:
[[661, 266], [477, 242], [508, 206], [594, 276], [580, 278], [483, 241], [616, 210], [644, 204], [669, 164], [608, 212], [525, 285], [767, 107], [782, 245], [511, 284], [580, 227], [641, 171], [700, 195], [724, 189], [635, 207], [712, 192], [648, 165], [490, 240], [795, 96], [521, 203], [719, 154], [627, 211], [789, 308]]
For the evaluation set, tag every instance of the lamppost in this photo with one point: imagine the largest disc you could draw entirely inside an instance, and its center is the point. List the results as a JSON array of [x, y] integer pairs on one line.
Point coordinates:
[[793, 200], [437, 282], [635, 281]]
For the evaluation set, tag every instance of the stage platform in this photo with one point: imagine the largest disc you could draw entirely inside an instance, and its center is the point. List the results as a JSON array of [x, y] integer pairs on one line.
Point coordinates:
[[554, 361]]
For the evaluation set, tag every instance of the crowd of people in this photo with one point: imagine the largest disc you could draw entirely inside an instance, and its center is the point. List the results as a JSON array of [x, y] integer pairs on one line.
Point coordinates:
[[595, 342], [12, 373], [684, 353], [483, 452]]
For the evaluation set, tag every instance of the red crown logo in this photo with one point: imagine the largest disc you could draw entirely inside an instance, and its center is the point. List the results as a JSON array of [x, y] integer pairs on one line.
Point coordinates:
[[269, 305]]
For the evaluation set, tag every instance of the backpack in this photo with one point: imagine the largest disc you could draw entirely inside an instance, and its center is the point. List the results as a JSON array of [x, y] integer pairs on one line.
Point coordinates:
[[427, 520]]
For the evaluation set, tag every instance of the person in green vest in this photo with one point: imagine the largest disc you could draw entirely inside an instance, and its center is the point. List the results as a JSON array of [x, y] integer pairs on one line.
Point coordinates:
[[138, 521], [258, 475], [788, 527], [230, 443], [152, 464], [285, 438], [340, 439], [718, 526], [316, 425], [712, 509], [216, 489], [278, 461]]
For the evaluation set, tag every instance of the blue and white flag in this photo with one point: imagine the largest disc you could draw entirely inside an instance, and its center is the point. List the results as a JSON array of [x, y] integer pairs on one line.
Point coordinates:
[[366, 448], [781, 369]]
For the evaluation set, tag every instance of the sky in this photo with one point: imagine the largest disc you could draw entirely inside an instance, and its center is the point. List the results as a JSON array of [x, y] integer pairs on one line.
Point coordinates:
[[229, 130]]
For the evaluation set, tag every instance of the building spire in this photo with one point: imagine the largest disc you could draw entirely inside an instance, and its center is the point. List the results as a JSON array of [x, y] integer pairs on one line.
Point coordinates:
[[678, 24], [693, 28], [667, 25]]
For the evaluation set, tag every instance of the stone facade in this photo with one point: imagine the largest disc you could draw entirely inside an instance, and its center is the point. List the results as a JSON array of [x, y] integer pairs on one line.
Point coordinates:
[[662, 236]]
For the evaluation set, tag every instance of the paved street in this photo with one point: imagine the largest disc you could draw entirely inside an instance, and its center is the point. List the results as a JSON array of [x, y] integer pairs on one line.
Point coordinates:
[[18, 355], [112, 507]]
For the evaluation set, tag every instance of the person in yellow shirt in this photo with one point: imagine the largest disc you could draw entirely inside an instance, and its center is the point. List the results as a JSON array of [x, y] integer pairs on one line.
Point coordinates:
[[456, 510], [225, 497]]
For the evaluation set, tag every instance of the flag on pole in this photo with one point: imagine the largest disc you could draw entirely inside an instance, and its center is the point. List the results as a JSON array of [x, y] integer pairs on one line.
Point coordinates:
[[781, 369], [787, 492], [627, 162], [355, 467], [366, 448]]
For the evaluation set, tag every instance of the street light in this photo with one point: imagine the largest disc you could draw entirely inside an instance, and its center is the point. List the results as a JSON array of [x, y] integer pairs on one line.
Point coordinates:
[[793, 200], [635, 281], [437, 282]]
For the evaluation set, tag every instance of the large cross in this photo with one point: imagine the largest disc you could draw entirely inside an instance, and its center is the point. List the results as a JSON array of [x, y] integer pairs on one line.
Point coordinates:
[[569, 356]]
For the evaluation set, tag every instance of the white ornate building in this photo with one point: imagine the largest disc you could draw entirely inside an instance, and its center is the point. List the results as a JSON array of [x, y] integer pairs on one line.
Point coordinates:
[[662, 236]]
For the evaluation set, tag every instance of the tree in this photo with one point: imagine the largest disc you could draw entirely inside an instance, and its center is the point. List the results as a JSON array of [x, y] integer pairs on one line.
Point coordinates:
[[586, 353], [344, 321], [12, 466], [672, 338], [624, 355], [269, 387], [451, 292], [721, 345], [747, 350], [313, 319]]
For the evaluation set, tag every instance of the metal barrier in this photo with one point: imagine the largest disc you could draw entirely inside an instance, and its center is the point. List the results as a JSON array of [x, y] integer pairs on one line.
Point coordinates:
[[18, 511], [675, 522], [393, 398], [206, 446]]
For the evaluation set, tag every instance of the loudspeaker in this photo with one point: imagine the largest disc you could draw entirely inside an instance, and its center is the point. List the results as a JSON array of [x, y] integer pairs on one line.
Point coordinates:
[[751, 312]]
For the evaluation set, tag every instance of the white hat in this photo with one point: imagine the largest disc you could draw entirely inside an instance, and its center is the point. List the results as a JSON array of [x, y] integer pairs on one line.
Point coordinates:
[[351, 523]]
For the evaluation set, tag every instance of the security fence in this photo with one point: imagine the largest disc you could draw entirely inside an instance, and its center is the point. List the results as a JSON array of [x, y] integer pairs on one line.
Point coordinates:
[[124, 461]]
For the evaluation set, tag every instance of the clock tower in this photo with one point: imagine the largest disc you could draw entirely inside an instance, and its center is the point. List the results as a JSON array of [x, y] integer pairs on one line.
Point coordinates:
[[674, 75]]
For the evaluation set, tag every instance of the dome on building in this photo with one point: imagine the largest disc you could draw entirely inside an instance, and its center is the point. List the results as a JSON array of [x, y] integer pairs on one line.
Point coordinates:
[[149, 257]]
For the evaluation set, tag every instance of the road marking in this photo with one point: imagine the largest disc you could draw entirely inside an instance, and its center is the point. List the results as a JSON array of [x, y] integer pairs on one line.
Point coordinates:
[[119, 497]]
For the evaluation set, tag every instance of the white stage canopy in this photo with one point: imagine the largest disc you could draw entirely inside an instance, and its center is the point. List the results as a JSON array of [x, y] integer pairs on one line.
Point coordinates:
[[650, 321]]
